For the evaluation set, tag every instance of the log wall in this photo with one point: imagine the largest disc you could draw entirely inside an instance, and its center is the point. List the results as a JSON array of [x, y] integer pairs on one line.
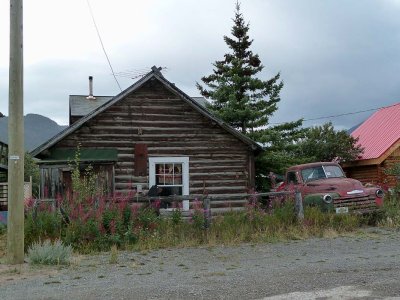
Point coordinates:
[[219, 163], [365, 174], [389, 162], [376, 174]]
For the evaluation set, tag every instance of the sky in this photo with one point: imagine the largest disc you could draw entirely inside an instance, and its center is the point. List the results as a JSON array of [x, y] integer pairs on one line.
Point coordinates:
[[335, 57]]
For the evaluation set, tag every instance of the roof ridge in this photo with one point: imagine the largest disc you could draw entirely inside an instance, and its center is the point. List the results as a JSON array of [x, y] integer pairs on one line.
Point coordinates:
[[156, 73]]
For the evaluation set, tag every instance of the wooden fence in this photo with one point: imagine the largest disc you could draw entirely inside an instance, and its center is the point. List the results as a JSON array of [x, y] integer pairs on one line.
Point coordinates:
[[178, 202]]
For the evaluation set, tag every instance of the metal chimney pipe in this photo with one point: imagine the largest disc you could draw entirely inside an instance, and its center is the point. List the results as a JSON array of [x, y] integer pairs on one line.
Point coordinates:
[[90, 97]]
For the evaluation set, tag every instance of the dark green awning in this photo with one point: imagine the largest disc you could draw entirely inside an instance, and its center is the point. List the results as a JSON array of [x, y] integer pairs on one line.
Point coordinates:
[[86, 155]]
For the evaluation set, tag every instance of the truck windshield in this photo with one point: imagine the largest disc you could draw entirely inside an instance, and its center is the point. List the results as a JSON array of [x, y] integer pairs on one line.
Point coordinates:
[[321, 172]]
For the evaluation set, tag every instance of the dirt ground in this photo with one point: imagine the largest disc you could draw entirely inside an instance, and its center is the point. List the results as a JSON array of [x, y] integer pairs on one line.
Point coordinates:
[[364, 265]]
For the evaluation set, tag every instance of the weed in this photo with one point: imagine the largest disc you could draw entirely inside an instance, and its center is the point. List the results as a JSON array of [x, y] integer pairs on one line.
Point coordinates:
[[100, 225], [391, 211], [48, 253], [3, 228], [176, 217], [114, 255]]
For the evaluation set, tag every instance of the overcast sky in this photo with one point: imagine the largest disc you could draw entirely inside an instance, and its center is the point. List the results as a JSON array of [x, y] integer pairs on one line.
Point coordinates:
[[335, 56]]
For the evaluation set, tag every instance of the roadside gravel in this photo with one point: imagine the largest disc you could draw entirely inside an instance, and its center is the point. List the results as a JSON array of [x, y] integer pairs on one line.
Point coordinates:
[[364, 265]]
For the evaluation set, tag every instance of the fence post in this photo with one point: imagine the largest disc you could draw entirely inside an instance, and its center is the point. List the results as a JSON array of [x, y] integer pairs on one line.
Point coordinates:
[[207, 212], [299, 206]]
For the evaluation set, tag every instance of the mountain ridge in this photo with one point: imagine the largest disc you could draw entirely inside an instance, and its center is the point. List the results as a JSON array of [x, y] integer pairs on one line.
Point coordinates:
[[37, 130]]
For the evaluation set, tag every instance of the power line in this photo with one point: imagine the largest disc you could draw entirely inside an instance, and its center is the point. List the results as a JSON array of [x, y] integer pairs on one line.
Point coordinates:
[[102, 45], [340, 115], [136, 73]]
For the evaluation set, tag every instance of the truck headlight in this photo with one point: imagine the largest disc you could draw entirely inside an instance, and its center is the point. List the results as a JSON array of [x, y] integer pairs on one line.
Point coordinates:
[[379, 193], [327, 199]]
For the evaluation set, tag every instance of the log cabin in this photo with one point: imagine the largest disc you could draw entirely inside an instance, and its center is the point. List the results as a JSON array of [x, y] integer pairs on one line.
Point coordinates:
[[379, 135], [151, 134]]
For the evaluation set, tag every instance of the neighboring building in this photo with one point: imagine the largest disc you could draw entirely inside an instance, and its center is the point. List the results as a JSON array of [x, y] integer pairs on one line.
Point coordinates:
[[3, 178], [379, 135], [150, 134], [3, 161]]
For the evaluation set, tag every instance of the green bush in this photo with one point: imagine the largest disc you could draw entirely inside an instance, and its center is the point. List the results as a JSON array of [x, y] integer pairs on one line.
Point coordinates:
[[3, 229], [391, 211], [317, 220], [41, 226], [48, 253], [176, 217], [98, 227]]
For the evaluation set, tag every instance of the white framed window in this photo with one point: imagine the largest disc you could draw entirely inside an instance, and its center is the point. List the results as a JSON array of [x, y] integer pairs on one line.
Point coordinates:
[[170, 172]]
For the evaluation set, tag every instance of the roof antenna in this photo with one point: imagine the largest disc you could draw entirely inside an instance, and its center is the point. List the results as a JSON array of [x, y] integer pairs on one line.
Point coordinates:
[[91, 97], [156, 70]]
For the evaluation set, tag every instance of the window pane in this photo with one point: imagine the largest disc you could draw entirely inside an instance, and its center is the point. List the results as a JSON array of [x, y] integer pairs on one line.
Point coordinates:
[[313, 173], [333, 171], [160, 172], [291, 178], [170, 190], [170, 173], [177, 173]]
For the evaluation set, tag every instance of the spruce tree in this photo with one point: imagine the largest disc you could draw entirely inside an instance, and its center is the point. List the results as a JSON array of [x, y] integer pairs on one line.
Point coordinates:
[[246, 103], [237, 96]]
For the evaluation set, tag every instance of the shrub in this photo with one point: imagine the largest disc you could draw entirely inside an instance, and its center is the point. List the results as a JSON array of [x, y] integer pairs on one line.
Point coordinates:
[[113, 255], [176, 217], [197, 217], [317, 221], [147, 218], [42, 225], [31, 169], [48, 253], [3, 228], [391, 211]]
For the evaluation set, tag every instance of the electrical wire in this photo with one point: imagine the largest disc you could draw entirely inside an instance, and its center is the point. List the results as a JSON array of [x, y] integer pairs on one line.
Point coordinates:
[[102, 45], [136, 73], [340, 115]]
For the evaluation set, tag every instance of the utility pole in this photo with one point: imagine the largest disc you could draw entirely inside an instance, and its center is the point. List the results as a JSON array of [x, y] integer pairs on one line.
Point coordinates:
[[15, 223]]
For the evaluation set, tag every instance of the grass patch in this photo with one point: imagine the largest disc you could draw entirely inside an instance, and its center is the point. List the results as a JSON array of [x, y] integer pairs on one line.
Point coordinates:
[[49, 253], [390, 215], [113, 255]]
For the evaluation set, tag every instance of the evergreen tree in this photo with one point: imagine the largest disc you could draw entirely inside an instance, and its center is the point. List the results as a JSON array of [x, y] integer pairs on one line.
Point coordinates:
[[246, 103], [238, 97], [324, 143]]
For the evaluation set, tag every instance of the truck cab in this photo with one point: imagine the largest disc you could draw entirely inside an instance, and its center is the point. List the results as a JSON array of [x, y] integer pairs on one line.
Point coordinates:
[[325, 185]]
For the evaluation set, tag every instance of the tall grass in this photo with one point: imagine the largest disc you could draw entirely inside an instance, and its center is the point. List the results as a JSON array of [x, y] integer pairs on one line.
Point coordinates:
[[390, 216], [97, 225]]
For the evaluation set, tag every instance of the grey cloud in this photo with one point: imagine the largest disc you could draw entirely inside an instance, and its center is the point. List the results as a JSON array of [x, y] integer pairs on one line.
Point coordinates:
[[334, 56]]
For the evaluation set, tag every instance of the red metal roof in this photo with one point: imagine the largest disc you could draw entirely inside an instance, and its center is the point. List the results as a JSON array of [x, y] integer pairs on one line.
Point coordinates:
[[379, 132]]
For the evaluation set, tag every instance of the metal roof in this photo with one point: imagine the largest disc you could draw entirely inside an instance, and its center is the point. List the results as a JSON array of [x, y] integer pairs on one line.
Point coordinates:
[[156, 74], [379, 132], [80, 105], [201, 100]]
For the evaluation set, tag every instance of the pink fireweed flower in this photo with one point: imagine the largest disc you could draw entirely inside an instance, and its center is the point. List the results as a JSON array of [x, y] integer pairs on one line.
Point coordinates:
[[112, 227], [29, 202], [156, 204]]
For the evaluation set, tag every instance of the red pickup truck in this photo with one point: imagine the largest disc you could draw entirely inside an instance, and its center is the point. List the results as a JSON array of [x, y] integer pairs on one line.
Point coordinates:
[[324, 184]]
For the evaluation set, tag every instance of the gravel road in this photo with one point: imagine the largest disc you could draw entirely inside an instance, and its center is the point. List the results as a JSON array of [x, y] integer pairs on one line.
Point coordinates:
[[365, 265]]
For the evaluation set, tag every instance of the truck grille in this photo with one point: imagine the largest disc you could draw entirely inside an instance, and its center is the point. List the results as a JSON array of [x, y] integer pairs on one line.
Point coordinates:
[[356, 204]]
